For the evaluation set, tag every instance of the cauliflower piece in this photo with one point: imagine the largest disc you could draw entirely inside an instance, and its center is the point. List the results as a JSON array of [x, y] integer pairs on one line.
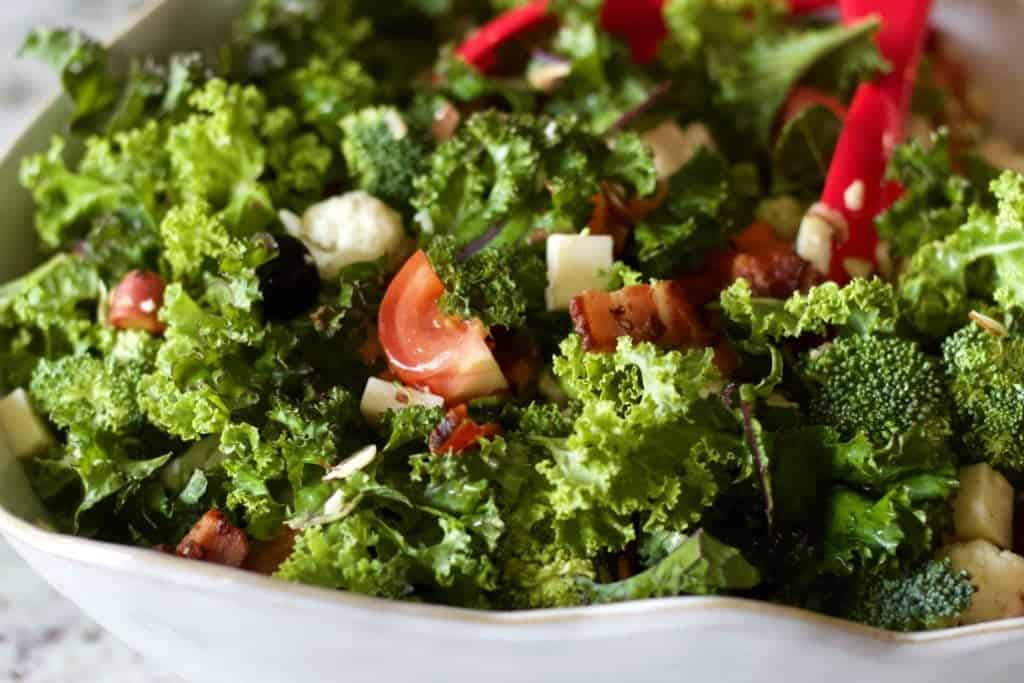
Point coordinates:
[[997, 574], [673, 146], [353, 228], [983, 508]]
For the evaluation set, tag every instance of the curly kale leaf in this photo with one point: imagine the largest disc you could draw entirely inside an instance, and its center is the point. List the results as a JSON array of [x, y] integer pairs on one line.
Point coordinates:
[[936, 200], [648, 446], [708, 201], [938, 286], [520, 173], [500, 286], [48, 313], [84, 392], [862, 307]]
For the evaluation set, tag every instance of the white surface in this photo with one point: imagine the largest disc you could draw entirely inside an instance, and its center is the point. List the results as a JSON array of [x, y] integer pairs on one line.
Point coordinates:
[[218, 625]]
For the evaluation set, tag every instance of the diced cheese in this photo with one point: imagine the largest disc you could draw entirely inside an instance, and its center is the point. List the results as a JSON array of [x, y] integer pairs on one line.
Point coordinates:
[[997, 574], [576, 264], [380, 396], [26, 433], [673, 146], [983, 509], [353, 228], [818, 229]]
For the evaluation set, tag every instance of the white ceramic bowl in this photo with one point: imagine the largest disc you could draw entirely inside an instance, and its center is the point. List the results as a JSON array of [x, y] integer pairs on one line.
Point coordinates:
[[219, 625]]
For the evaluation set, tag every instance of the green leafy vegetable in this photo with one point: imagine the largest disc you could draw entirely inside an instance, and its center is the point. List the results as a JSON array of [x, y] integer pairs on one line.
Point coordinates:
[[803, 152], [500, 286], [699, 566]]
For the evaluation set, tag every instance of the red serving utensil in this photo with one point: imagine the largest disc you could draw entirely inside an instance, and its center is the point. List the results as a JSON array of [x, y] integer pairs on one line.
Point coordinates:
[[638, 22], [856, 187], [481, 49]]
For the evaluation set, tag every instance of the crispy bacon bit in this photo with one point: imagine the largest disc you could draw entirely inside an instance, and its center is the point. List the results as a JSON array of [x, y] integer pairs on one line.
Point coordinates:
[[446, 121], [759, 256], [215, 539], [616, 216], [648, 313], [458, 433], [267, 556], [627, 564]]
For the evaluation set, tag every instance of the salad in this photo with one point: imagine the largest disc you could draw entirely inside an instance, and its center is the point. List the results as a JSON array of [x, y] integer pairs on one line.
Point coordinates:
[[523, 305]]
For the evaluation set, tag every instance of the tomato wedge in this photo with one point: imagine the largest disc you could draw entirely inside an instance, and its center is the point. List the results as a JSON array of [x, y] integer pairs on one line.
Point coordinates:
[[425, 348]]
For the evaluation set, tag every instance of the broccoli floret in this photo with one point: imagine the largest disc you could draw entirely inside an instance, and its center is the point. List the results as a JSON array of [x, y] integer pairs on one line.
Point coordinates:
[[878, 386], [931, 596], [986, 380], [382, 155]]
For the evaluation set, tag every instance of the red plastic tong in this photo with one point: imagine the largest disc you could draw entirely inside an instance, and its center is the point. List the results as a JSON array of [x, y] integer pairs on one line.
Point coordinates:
[[639, 22]]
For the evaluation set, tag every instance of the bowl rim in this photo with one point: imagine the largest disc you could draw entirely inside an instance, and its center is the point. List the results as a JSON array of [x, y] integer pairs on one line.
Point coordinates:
[[169, 569], [211, 577]]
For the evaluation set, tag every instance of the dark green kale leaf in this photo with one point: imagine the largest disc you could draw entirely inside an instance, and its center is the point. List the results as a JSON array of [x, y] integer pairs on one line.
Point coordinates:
[[936, 200], [500, 286], [700, 565], [708, 201], [803, 152], [520, 173]]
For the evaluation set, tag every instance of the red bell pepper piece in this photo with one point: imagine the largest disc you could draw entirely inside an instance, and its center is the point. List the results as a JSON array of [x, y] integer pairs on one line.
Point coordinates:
[[856, 186], [481, 49], [803, 6]]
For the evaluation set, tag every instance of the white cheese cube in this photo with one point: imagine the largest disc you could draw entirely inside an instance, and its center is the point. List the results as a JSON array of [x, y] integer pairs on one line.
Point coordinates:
[[673, 146], [818, 229], [997, 574], [26, 433], [380, 396], [353, 228], [576, 264], [983, 509]]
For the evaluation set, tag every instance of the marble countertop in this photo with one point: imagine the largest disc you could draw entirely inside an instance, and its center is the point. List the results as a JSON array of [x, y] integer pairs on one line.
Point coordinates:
[[44, 638]]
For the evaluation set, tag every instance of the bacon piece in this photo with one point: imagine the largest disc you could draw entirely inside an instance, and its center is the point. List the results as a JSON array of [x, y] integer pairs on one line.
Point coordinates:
[[215, 539], [266, 557], [458, 433], [759, 256], [657, 313], [616, 217]]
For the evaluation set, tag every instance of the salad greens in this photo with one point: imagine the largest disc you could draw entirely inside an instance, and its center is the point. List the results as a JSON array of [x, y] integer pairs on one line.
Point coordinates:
[[801, 449]]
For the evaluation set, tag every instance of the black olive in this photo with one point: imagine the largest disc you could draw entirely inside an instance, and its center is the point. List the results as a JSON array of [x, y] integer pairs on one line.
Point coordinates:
[[289, 282]]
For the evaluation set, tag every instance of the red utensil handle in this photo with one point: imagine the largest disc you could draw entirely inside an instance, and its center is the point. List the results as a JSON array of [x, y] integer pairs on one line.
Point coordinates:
[[856, 186], [639, 22], [481, 48]]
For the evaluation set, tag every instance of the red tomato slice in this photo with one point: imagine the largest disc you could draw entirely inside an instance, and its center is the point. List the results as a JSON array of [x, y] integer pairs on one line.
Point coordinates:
[[426, 348]]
